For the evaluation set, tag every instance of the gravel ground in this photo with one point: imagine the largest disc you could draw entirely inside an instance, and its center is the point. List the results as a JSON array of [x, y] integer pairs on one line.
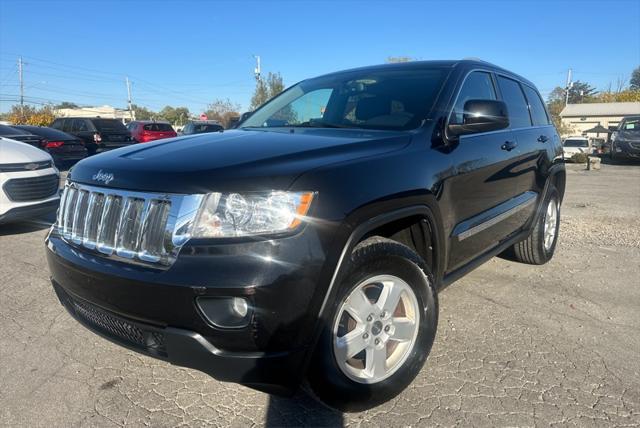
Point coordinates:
[[517, 345]]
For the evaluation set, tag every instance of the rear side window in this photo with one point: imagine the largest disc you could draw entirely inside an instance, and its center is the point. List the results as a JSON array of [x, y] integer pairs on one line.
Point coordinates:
[[516, 103], [161, 127], [536, 107], [79, 125], [57, 124], [109, 125], [205, 127], [477, 86]]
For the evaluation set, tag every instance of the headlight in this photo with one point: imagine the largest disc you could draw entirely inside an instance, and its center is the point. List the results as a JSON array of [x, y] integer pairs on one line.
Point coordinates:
[[234, 214]]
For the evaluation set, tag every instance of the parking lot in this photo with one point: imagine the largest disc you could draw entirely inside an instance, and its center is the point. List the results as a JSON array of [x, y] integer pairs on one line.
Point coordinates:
[[516, 345]]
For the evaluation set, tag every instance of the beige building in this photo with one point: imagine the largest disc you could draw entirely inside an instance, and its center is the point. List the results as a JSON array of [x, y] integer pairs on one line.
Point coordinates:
[[581, 117], [105, 111]]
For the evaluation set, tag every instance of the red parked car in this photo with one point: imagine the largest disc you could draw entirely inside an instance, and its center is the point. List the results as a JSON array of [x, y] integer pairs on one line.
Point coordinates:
[[144, 131]]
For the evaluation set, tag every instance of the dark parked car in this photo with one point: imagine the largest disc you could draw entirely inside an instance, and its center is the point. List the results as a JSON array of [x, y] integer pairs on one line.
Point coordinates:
[[625, 142], [144, 131], [17, 134], [314, 248], [201, 127], [98, 134], [64, 148]]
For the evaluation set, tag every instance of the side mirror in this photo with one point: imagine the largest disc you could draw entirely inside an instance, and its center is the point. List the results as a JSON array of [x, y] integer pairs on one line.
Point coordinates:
[[480, 116], [244, 116]]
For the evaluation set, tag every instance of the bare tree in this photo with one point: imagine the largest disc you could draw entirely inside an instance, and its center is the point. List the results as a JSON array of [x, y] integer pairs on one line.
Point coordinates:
[[224, 111]]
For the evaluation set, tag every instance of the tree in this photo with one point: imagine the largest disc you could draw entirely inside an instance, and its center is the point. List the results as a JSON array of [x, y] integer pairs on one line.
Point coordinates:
[[66, 104], [634, 82], [266, 89], [581, 92], [555, 104], [174, 115], [628, 95], [29, 115], [223, 111], [143, 113]]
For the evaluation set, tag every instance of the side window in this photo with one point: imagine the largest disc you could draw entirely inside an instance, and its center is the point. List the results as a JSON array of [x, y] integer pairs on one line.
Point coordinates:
[[536, 107], [516, 103], [57, 124], [477, 86], [79, 125], [66, 125]]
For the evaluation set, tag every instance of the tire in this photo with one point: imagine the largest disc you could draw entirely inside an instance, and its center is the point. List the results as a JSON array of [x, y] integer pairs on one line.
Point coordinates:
[[537, 249], [376, 264]]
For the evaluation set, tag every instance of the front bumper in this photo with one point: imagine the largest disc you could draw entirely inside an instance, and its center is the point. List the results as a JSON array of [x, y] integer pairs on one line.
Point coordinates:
[[26, 212], [285, 281], [629, 150], [269, 372]]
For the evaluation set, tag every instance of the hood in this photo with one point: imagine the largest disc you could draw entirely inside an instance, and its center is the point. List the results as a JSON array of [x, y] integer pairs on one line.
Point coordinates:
[[238, 160], [12, 151]]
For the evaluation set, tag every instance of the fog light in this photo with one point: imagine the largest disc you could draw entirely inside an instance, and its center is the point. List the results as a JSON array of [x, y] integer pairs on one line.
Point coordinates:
[[240, 306], [225, 312]]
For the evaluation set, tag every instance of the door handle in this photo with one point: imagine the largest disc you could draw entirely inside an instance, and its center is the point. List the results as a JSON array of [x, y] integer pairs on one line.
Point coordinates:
[[509, 145], [543, 139]]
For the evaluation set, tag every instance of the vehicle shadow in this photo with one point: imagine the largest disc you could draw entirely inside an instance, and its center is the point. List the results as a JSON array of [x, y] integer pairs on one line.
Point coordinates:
[[300, 410]]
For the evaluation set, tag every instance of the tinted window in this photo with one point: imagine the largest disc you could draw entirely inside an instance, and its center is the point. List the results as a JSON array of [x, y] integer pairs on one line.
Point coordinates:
[[576, 143], [538, 113], [57, 124], [370, 99], [477, 86], [79, 125], [109, 125], [7, 130], [48, 133], [163, 127], [200, 128], [516, 103]]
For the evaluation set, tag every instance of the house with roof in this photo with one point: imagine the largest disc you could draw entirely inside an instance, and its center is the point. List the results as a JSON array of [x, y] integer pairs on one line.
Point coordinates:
[[589, 118]]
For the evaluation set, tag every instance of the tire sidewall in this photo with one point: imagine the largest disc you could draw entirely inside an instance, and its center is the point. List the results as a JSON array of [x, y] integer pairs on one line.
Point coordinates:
[[548, 254], [327, 379]]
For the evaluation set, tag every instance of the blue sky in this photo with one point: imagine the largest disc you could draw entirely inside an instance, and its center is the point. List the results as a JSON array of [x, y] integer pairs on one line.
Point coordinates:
[[190, 53]]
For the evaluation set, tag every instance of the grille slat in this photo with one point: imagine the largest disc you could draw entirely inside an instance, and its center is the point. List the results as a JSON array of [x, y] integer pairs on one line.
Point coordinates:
[[147, 227], [32, 188]]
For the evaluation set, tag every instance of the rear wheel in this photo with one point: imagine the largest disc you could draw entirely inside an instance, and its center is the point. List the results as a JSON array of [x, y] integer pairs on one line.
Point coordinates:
[[381, 329], [539, 247]]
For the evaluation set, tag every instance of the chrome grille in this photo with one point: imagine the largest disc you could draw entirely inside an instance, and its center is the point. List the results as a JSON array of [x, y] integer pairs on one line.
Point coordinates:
[[131, 226]]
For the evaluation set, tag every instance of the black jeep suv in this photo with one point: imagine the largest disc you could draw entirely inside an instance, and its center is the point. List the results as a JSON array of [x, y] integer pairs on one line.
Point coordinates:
[[98, 134], [310, 243]]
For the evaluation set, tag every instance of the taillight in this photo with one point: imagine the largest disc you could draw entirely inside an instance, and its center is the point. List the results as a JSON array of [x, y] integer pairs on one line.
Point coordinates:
[[53, 144], [97, 138]]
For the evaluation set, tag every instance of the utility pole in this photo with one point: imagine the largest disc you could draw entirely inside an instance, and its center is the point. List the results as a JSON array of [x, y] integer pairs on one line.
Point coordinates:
[[20, 64], [256, 71], [131, 113], [569, 85]]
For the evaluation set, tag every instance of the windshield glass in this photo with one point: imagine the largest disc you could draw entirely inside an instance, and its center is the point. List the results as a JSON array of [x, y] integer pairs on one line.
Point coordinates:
[[576, 143], [109, 125], [374, 99], [630, 125]]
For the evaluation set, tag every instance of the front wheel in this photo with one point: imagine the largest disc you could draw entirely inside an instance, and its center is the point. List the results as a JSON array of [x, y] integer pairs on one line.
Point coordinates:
[[381, 329], [540, 246]]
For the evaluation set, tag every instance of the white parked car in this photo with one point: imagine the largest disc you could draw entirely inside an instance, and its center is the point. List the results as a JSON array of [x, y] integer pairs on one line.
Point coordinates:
[[29, 182], [574, 145]]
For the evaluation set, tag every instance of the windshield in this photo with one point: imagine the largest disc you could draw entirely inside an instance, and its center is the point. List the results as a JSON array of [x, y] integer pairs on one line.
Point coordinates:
[[378, 99], [576, 143], [109, 125], [630, 124]]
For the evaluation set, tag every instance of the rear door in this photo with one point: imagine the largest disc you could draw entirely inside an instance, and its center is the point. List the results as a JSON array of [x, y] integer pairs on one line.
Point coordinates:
[[482, 190], [532, 141]]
